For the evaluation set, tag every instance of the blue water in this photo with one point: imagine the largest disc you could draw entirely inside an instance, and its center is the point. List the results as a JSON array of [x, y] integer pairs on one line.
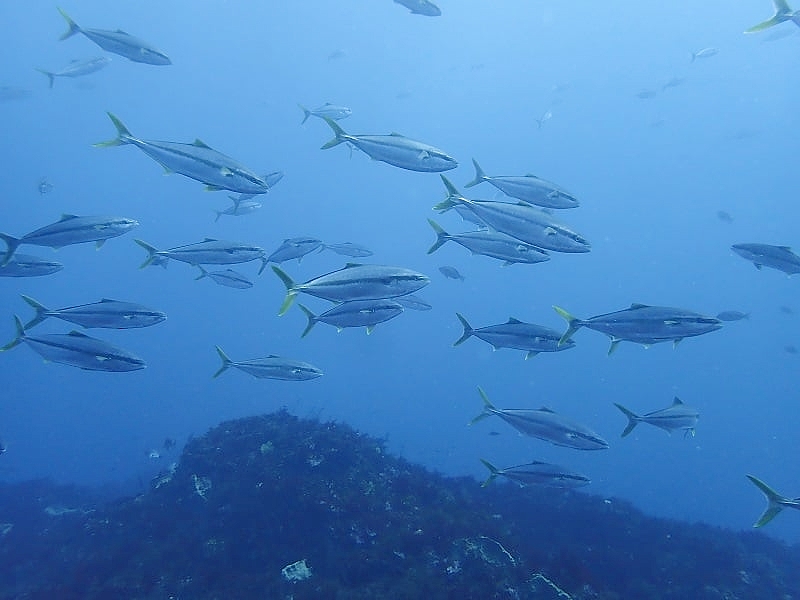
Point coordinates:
[[651, 175]]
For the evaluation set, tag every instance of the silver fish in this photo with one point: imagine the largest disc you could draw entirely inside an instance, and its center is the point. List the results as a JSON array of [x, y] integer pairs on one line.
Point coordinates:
[[228, 278], [77, 68], [349, 249], [732, 315], [517, 335], [529, 189], [240, 207], [295, 248], [451, 273], [354, 282], [395, 149], [69, 230], [106, 314], [537, 473], [520, 221], [355, 313], [765, 255], [77, 350], [675, 416], [196, 161], [25, 265], [270, 367], [326, 111], [783, 13], [705, 53], [118, 42], [492, 244], [208, 252], [421, 7], [775, 502], [544, 424]]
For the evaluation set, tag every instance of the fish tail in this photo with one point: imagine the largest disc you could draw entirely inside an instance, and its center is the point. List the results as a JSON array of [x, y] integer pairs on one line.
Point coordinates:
[[226, 362], [12, 244], [306, 113], [312, 320], [694, 56], [291, 290], [152, 252], [762, 26], [487, 408], [72, 25], [123, 135], [340, 135], [20, 335], [468, 331], [479, 175], [451, 189], [203, 272], [774, 502], [50, 76], [264, 263], [441, 236], [41, 312], [573, 325], [633, 419], [493, 472], [219, 214]]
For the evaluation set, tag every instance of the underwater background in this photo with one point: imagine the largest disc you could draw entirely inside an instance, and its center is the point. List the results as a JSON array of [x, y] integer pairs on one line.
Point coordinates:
[[668, 176]]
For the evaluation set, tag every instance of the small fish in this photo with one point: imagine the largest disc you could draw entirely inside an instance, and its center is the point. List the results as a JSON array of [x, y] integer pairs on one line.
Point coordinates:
[[355, 313], [790, 349], [724, 216], [118, 42], [77, 68], [775, 502], [349, 249], [537, 473], [208, 252], [77, 350], [69, 230], [326, 111], [337, 54], [529, 189], [44, 186], [517, 335], [765, 255], [270, 367], [704, 53], [675, 416], [295, 248], [413, 302], [646, 94], [240, 207], [787, 310], [228, 278], [673, 82], [421, 7], [25, 265], [733, 315], [10, 93], [106, 314], [783, 13], [451, 273], [543, 119], [394, 149]]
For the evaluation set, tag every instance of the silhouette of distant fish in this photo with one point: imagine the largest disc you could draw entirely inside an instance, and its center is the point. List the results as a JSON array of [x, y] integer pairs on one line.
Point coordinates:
[[421, 7]]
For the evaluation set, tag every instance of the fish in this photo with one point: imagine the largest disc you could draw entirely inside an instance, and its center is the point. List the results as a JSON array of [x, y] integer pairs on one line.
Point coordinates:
[[704, 53], [354, 282], [451, 273], [724, 216], [355, 313], [69, 230], [673, 82], [44, 186], [517, 335], [783, 13], [77, 68], [544, 424], [544, 118], [676, 416], [327, 110], [118, 42], [520, 221], [775, 502], [765, 255], [77, 350], [528, 188], [10, 93], [646, 94], [349, 249], [196, 161], [25, 265], [492, 244], [643, 324], [413, 302], [732, 315], [421, 7], [208, 252], [228, 278], [240, 207], [106, 314], [537, 473], [270, 367], [295, 248], [394, 149]]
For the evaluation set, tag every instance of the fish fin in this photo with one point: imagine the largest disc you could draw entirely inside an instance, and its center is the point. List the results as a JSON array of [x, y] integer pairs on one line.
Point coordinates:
[[573, 325], [41, 312], [493, 472], [771, 22], [201, 144], [306, 113], [99, 244], [291, 290], [451, 189], [203, 272], [20, 335], [774, 500], [531, 354], [312, 320], [513, 321], [677, 401], [488, 407], [12, 244], [72, 25], [78, 334], [226, 362], [479, 175], [675, 342], [633, 419], [123, 135], [152, 252], [467, 330], [441, 236], [50, 76], [370, 329], [615, 343], [340, 135]]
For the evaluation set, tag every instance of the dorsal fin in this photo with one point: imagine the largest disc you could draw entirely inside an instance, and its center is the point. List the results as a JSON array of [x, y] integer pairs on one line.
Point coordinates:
[[547, 410], [676, 401], [351, 265], [207, 240], [513, 320], [74, 333], [200, 144], [67, 217], [636, 305]]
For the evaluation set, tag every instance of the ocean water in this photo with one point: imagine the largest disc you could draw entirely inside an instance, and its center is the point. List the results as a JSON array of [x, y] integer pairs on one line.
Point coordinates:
[[651, 173]]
